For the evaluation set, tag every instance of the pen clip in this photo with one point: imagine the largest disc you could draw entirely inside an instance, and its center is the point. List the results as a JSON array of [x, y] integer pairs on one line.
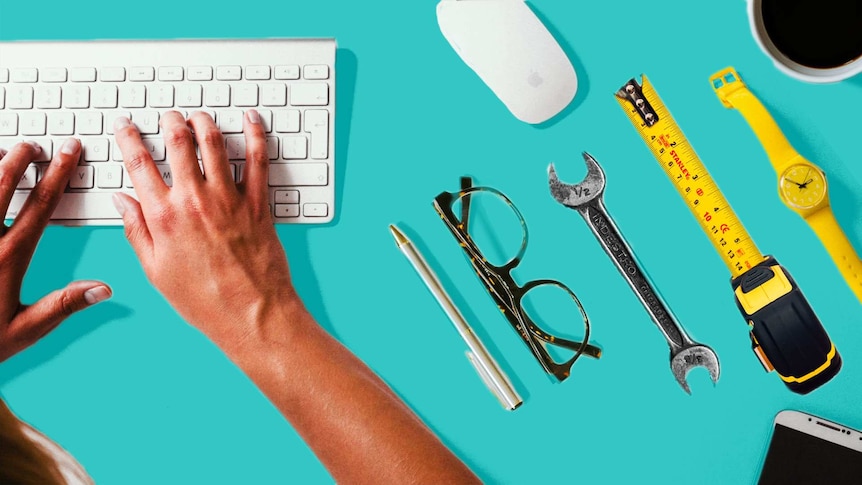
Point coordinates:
[[504, 391]]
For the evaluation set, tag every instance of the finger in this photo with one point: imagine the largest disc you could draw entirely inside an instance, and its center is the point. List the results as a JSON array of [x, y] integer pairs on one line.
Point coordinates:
[[148, 182], [136, 228], [43, 316], [181, 151], [213, 154], [12, 167], [45, 196], [256, 173]]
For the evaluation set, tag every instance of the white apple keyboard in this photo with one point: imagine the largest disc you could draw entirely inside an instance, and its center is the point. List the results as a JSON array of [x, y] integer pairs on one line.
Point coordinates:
[[50, 91]]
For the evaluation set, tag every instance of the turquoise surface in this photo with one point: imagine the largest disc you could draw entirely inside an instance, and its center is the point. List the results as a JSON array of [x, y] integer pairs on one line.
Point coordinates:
[[140, 397]]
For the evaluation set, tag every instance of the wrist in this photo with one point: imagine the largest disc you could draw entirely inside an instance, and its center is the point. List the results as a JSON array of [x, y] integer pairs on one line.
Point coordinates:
[[269, 322]]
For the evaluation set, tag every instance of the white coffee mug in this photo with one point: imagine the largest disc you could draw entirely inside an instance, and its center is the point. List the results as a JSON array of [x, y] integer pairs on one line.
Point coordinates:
[[789, 66]]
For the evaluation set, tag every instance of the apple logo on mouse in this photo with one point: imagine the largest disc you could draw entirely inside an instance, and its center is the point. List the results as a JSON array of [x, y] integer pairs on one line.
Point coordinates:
[[534, 79]]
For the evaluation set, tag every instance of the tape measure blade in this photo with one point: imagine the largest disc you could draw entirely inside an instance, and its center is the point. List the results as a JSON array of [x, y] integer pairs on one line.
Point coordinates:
[[689, 176]]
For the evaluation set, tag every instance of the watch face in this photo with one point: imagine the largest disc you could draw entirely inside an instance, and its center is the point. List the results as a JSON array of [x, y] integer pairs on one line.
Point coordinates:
[[803, 186]]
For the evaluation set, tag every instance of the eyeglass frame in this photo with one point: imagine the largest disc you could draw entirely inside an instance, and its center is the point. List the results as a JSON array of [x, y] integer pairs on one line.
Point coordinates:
[[488, 273]]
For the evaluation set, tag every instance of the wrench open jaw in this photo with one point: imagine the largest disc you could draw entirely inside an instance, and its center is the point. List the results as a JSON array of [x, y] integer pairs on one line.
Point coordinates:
[[586, 198]]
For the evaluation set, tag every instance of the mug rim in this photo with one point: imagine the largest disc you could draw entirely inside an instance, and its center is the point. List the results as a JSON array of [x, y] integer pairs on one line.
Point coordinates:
[[789, 66]]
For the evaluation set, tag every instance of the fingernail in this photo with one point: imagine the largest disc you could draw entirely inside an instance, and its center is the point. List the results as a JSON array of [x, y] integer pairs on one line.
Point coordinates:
[[97, 294], [121, 123], [36, 147], [253, 116], [70, 146], [119, 204]]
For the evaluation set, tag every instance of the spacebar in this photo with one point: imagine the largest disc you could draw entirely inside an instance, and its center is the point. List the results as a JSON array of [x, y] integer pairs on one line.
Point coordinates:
[[74, 206]]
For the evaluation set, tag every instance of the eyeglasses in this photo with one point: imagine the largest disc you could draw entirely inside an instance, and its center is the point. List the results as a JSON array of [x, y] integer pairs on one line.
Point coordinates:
[[508, 295]]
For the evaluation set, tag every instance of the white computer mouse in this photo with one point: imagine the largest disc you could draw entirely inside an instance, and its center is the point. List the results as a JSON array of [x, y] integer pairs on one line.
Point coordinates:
[[513, 53]]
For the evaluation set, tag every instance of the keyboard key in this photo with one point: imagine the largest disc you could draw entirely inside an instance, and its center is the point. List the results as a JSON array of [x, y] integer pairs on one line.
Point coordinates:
[[47, 96], [76, 96], [229, 73], [161, 96], [71, 206], [61, 123], [110, 176], [309, 94], [4, 75], [274, 94], [171, 73], [316, 71], [146, 121], [133, 96], [89, 123], [287, 121], [82, 74], [112, 74], [94, 149], [2, 97], [287, 72], [24, 75], [8, 123], [189, 95], [200, 73], [105, 96], [53, 75], [47, 151], [257, 73], [295, 147], [32, 123], [235, 147], [298, 174], [286, 210], [144, 73], [265, 119], [165, 170], [19, 97], [315, 210], [111, 117], [82, 177], [287, 197], [317, 125], [272, 147], [28, 180], [244, 94], [156, 147], [230, 121], [218, 95]]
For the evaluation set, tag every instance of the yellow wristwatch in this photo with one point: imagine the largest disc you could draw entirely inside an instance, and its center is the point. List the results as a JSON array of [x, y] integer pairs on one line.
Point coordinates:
[[801, 184]]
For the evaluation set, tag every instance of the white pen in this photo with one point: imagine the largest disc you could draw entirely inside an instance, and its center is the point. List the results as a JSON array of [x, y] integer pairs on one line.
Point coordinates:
[[490, 372]]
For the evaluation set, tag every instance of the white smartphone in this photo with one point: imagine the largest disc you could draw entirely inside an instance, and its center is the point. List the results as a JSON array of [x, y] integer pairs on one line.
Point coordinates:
[[807, 449]]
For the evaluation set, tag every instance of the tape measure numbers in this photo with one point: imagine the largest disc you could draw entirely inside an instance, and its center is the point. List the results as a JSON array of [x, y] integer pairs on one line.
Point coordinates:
[[785, 333], [681, 164]]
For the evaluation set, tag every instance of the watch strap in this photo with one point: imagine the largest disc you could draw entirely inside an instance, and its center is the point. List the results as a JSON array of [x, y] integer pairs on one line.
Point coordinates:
[[843, 254], [733, 93]]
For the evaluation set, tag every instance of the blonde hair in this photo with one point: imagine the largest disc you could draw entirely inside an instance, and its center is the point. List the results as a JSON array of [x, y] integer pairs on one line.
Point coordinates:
[[23, 461]]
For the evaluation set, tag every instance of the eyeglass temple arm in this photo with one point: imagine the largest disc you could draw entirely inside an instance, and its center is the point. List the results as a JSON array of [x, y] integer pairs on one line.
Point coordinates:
[[466, 183]]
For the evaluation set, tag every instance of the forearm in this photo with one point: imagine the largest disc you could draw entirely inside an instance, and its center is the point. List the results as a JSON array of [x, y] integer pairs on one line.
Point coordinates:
[[359, 429]]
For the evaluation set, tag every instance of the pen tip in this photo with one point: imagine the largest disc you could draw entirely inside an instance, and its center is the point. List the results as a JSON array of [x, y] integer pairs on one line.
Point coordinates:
[[400, 238]]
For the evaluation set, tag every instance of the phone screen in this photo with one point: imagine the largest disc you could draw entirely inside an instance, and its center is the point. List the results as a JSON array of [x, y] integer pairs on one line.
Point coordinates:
[[797, 457]]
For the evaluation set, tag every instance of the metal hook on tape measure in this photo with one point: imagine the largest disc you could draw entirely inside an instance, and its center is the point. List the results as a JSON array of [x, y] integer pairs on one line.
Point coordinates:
[[633, 92]]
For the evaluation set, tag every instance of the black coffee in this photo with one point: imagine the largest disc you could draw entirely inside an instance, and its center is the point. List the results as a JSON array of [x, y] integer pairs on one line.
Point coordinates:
[[815, 33]]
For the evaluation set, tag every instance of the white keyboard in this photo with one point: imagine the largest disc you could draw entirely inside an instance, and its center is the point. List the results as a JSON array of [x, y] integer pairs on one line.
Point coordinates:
[[50, 91]]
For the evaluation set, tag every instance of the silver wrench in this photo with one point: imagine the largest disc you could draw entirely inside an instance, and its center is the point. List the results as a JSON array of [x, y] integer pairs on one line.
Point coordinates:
[[586, 198]]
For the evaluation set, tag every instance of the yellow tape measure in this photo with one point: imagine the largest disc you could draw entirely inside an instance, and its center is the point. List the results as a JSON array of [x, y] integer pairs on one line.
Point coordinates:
[[785, 333], [665, 139]]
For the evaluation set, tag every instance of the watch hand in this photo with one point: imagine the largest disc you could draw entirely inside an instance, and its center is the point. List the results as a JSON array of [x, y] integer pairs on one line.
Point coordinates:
[[801, 186]]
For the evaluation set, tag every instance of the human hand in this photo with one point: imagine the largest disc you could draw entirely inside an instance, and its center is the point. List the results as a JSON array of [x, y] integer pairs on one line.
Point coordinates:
[[207, 243], [22, 325]]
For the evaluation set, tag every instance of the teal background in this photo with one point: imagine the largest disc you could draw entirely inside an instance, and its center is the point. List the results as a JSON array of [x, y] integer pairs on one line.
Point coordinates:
[[138, 396]]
